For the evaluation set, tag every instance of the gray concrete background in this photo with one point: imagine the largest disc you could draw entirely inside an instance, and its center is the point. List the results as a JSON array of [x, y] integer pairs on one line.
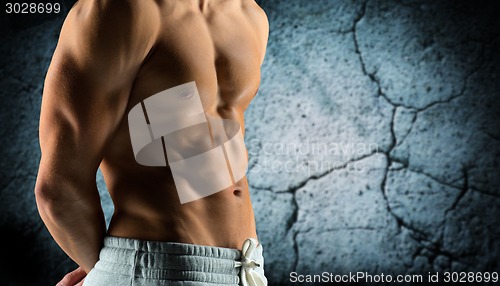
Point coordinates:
[[374, 140]]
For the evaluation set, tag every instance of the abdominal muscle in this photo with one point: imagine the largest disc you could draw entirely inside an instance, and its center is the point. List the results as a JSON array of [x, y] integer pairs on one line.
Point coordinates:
[[223, 219], [147, 206]]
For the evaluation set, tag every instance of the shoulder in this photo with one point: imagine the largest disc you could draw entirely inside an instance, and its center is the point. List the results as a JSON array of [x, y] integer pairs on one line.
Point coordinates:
[[256, 12], [106, 9], [258, 17], [104, 28], [259, 20], [119, 15]]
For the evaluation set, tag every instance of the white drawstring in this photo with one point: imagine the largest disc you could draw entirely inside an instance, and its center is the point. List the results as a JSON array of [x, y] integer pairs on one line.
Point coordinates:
[[248, 275]]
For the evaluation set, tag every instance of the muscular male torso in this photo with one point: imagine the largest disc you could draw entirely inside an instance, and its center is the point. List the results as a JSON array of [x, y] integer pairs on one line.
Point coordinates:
[[219, 44]]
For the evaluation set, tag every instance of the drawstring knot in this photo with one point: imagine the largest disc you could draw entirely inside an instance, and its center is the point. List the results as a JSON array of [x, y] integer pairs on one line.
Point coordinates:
[[248, 275]]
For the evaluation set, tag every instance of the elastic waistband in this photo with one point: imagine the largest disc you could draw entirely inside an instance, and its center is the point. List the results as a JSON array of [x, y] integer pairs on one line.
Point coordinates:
[[169, 261]]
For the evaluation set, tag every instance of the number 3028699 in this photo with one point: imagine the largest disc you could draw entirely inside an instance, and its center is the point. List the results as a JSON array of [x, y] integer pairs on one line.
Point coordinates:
[[32, 8]]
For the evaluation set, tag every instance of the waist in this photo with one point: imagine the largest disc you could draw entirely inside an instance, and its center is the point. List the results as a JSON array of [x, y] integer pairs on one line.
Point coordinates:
[[223, 219], [142, 259]]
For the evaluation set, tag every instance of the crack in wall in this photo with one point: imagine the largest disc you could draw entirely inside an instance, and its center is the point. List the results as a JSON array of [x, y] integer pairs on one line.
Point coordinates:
[[416, 233], [293, 221], [293, 190], [435, 248], [412, 123], [290, 223], [373, 77], [463, 191], [404, 165]]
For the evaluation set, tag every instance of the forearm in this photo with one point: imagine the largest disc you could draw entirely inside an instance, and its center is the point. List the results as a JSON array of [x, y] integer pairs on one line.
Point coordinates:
[[77, 225]]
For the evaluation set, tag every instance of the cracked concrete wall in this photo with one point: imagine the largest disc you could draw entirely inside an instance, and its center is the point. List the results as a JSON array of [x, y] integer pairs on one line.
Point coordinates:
[[373, 140]]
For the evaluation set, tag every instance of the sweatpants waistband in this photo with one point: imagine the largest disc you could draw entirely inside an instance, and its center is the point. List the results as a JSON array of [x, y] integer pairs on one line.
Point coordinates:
[[170, 261]]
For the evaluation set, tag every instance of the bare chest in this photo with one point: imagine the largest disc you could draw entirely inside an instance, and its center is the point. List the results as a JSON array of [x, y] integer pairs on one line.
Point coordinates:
[[218, 50]]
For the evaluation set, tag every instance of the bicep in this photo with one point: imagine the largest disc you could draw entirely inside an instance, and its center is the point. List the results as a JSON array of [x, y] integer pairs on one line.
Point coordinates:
[[78, 118], [88, 83]]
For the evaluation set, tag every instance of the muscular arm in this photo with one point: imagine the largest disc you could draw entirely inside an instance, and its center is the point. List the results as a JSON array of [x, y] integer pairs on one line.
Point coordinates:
[[101, 47]]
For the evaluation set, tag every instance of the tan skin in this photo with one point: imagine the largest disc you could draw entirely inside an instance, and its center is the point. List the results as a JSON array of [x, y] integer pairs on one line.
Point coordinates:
[[111, 55]]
